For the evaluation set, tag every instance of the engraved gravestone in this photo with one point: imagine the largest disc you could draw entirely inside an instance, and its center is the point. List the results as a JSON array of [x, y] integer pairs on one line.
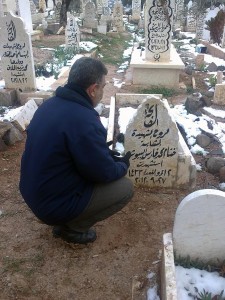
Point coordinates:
[[136, 9], [158, 33], [200, 25], [89, 15], [199, 226], [118, 16], [16, 54], [72, 32], [152, 138], [178, 14]]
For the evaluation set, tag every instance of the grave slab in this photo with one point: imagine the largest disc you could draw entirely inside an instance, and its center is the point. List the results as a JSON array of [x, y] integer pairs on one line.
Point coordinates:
[[23, 118], [219, 94]]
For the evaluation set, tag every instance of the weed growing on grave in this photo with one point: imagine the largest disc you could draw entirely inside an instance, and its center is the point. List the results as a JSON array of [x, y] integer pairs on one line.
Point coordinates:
[[186, 262], [166, 92], [212, 80], [208, 296]]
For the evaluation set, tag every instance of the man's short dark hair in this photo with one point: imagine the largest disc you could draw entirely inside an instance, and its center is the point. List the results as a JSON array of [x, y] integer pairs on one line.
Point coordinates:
[[87, 71]]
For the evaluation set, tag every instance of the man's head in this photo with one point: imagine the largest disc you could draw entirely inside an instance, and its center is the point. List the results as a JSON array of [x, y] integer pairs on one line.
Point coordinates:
[[89, 74]]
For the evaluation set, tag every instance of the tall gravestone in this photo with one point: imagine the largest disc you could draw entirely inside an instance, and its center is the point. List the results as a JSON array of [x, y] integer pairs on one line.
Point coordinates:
[[89, 15], [118, 16], [16, 53], [152, 137], [158, 24], [72, 33], [223, 38], [57, 10], [24, 12], [199, 226], [136, 9], [200, 23], [179, 14], [191, 18]]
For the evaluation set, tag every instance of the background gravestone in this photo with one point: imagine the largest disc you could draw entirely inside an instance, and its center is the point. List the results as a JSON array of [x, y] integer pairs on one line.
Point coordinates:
[[152, 138], [200, 225], [89, 15], [136, 9], [118, 16], [24, 12], [72, 32], [158, 33], [16, 53]]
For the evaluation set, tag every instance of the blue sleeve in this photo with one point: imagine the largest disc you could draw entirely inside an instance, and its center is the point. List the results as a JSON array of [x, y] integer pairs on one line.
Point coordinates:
[[91, 154]]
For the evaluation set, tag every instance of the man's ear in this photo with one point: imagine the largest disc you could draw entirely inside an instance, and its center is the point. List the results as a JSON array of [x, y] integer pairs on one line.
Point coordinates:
[[91, 90]]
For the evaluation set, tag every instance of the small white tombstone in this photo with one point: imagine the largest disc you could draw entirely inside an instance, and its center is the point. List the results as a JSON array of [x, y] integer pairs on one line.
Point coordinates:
[[200, 225], [118, 16], [158, 30], [219, 77], [16, 54], [72, 32], [152, 137]]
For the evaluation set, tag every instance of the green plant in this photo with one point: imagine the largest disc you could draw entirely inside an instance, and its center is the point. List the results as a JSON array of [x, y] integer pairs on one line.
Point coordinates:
[[202, 67], [212, 80], [208, 296], [190, 89], [166, 92]]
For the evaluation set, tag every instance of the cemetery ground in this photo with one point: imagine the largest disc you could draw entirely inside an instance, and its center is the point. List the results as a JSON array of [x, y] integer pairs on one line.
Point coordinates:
[[120, 264]]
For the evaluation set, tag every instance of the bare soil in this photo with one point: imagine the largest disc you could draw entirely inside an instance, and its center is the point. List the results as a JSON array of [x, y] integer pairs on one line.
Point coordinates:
[[34, 265]]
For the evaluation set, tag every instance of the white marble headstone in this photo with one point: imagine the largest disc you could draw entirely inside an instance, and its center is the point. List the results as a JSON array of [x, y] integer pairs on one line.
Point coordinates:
[[24, 12], [72, 32], [158, 30], [152, 138], [16, 54], [199, 226]]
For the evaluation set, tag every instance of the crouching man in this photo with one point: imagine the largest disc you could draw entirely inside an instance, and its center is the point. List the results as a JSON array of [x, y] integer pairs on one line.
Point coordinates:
[[70, 178]]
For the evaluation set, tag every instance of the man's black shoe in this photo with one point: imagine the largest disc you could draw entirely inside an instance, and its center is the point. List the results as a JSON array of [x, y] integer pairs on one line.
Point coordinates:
[[72, 236]]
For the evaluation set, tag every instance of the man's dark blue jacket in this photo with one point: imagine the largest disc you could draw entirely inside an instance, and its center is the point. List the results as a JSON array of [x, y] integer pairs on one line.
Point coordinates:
[[65, 156]]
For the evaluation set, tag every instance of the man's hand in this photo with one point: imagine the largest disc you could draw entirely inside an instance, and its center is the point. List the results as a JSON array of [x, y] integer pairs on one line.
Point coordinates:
[[126, 158], [115, 154]]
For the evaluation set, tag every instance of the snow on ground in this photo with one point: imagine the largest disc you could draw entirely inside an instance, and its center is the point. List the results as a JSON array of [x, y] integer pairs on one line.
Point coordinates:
[[193, 281]]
